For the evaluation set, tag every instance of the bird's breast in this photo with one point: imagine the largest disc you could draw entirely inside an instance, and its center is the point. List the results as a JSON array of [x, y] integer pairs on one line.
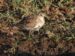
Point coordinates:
[[39, 22]]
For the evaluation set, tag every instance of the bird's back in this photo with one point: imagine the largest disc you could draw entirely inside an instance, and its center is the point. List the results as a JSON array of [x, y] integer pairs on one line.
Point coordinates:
[[28, 22]]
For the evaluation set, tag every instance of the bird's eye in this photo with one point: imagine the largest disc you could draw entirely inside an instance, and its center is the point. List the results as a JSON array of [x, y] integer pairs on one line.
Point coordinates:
[[41, 14]]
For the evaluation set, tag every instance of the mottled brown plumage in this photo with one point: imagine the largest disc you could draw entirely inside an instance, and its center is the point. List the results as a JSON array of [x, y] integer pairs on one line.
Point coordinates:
[[32, 22]]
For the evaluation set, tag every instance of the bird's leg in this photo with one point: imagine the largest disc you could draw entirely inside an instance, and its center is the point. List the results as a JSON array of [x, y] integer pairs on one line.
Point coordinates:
[[38, 32], [30, 34]]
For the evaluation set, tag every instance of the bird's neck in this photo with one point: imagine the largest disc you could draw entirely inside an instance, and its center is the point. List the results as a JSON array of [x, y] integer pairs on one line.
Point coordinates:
[[41, 17]]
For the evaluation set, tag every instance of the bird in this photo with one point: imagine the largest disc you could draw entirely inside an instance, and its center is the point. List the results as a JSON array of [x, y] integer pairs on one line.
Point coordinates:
[[32, 22]]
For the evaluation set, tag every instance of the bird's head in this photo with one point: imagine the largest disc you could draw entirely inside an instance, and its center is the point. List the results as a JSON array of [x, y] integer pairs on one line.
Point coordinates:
[[42, 14]]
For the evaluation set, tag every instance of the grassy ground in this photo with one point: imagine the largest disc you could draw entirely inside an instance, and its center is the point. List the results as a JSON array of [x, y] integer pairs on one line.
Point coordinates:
[[57, 37]]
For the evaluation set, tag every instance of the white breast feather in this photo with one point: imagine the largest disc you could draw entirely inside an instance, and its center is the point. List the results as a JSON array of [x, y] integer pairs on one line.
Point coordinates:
[[39, 22]]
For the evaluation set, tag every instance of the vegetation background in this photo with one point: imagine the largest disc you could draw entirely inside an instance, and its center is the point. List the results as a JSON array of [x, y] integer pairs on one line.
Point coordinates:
[[57, 37]]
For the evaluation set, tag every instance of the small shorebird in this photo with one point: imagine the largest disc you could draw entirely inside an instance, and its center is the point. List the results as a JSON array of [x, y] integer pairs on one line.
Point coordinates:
[[32, 22]]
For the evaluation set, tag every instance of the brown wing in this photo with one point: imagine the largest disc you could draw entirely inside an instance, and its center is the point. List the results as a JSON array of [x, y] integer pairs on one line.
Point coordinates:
[[30, 21]]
